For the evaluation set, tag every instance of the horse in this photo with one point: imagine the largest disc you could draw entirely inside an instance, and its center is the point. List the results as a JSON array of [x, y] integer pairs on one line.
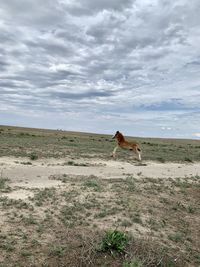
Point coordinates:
[[121, 142]]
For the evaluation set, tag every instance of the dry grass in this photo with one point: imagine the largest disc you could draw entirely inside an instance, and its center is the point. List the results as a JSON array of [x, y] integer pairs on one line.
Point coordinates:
[[65, 225], [34, 143]]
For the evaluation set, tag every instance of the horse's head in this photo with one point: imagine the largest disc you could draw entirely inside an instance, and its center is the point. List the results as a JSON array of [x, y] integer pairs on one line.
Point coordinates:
[[116, 135]]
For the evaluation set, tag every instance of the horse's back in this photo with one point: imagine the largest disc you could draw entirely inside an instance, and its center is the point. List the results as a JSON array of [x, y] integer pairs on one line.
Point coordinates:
[[129, 145]]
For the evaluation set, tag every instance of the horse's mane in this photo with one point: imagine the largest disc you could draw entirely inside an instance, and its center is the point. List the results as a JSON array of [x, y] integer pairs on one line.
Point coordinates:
[[120, 137]]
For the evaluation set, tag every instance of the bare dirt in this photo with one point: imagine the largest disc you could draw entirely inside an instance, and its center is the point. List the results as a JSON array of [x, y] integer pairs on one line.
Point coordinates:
[[23, 176]]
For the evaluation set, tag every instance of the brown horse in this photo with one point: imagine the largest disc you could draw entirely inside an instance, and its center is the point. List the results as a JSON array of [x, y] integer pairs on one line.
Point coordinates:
[[121, 142]]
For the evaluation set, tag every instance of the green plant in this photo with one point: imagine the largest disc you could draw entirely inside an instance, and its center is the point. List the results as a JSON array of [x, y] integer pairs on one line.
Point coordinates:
[[25, 253], [114, 240], [43, 196], [33, 156], [28, 220], [93, 184], [197, 258], [3, 186], [130, 182], [191, 209], [70, 162], [188, 159], [27, 163]]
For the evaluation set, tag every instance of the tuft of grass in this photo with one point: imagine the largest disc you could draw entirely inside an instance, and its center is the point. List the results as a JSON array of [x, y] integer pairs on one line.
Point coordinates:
[[130, 182], [188, 159], [27, 163], [93, 184], [198, 258], [73, 163], [114, 241], [25, 253], [57, 251], [136, 218], [29, 220], [44, 195], [177, 237], [33, 156], [191, 209], [133, 263], [3, 185]]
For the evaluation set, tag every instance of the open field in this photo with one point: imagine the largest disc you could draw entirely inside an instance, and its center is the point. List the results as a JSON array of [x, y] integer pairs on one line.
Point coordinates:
[[60, 192]]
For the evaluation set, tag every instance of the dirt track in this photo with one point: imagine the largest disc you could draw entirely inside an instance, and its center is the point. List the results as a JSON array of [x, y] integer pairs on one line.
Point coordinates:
[[38, 173]]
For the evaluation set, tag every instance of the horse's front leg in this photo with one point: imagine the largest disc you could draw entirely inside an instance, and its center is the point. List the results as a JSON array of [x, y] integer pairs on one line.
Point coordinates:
[[138, 155], [114, 151]]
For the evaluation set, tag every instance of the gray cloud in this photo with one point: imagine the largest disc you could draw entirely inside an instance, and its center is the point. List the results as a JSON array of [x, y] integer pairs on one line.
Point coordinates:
[[136, 60], [89, 94], [87, 7]]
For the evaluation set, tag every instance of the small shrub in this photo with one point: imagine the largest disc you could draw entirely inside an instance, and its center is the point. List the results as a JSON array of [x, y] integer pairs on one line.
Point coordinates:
[[188, 159], [191, 209], [29, 220], [198, 258], [93, 184], [130, 182], [25, 253], [70, 162], [3, 185], [33, 156], [114, 240], [27, 163]]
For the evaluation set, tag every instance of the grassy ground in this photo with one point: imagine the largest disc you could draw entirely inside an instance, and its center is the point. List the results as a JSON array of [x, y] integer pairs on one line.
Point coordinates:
[[48, 143], [157, 219], [64, 227]]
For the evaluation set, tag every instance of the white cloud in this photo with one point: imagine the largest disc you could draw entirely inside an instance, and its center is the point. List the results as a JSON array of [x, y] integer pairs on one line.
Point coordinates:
[[196, 134], [138, 61]]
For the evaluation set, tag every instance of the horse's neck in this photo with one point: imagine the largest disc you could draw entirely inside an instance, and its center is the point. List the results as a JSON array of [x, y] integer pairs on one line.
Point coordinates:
[[121, 138]]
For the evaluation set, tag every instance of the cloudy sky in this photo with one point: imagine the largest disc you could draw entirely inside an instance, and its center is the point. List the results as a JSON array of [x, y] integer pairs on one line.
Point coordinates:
[[101, 66]]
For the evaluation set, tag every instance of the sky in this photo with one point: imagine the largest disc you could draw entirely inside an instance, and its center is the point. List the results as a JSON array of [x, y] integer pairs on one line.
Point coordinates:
[[101, 66]]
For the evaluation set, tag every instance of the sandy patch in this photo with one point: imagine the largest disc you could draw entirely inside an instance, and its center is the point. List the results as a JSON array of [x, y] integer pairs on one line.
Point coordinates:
[[37, 175], [19, 194]]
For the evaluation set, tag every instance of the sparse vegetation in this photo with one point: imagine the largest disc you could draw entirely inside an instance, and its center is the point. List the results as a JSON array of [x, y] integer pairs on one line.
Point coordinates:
[[3, 185], [58, 144], [92, 184], [156, 220]]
